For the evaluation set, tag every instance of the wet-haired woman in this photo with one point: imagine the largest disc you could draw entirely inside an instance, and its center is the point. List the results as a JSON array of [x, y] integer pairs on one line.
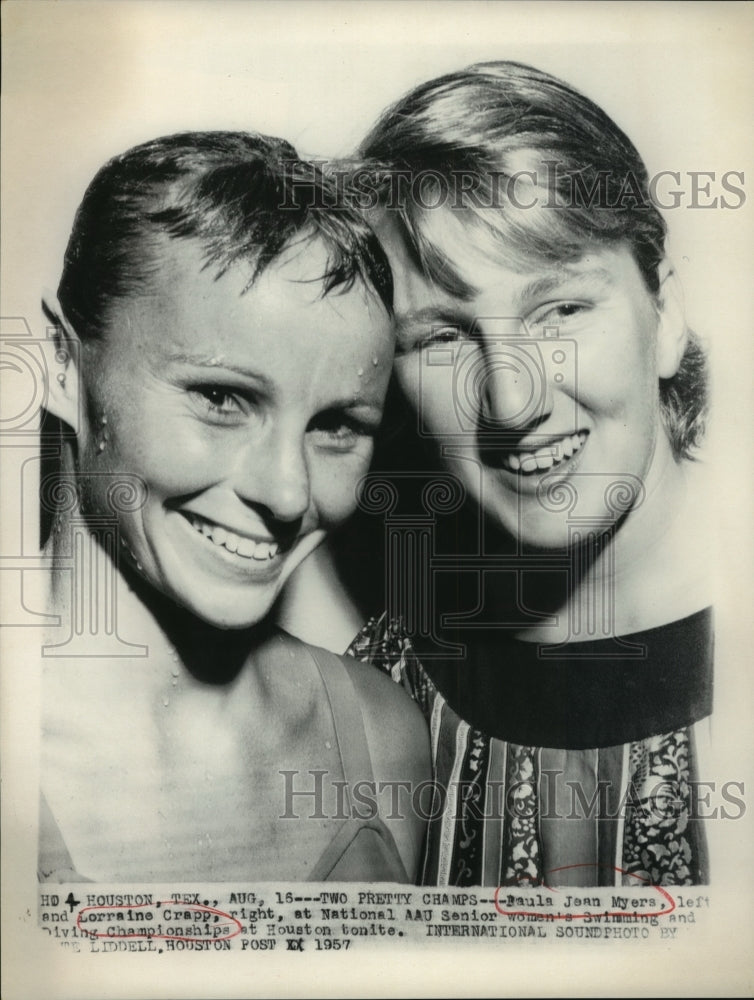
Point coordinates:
[[221, 355]]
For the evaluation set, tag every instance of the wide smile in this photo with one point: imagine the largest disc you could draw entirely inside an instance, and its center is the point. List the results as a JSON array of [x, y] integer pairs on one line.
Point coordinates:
[[221, 549], [546, 458], [244, 546]]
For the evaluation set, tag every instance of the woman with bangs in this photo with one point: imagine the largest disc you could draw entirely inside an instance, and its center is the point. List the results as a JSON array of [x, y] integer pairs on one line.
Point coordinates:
[[562, 652], [218, 369]]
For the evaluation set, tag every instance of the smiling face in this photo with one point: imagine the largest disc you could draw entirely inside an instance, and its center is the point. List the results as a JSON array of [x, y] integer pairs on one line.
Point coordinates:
[[250, 415], [541, 390]]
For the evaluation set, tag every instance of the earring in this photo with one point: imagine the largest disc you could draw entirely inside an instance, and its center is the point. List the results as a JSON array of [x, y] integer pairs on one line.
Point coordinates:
[[61, 379]]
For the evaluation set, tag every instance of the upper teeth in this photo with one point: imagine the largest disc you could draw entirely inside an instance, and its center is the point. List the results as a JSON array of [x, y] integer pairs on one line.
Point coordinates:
[[239, 544], [544, 458]]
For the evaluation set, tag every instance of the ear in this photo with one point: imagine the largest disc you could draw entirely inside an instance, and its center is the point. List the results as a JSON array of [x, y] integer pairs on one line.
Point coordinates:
[[62, 356], [672, 332]]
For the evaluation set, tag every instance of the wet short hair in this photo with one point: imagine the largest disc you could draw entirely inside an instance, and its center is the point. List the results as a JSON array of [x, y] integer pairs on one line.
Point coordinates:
[[470, 135], [235, 193]]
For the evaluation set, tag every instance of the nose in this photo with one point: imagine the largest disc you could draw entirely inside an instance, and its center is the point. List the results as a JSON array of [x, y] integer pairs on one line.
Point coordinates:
[[274, 475], [513, 391]]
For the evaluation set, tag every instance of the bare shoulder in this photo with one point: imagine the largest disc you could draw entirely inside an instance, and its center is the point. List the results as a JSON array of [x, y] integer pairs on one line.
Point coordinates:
[[398, 739], [396, 729]]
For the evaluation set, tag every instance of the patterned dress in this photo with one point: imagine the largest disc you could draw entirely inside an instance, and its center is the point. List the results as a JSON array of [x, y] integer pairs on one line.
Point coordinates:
[[564, 770]]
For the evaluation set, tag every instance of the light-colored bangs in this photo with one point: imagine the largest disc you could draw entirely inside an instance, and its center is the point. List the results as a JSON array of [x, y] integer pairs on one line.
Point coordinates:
[[533, 211]]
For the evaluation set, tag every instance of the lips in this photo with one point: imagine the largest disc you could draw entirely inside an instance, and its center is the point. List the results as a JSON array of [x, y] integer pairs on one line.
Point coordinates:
[[545, 458], [245, 546]]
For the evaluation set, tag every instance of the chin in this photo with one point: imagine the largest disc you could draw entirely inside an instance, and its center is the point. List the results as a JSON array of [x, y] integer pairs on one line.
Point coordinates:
[[547, 534], [227, 612], [232, 617]]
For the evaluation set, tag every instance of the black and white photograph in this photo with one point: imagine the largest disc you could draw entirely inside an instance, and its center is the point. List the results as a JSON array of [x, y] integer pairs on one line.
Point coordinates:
[[375, 518]]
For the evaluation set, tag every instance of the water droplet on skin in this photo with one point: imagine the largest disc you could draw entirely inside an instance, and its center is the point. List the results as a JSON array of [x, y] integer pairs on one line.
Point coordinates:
[[101, 446], [174, 671], [359, 372], [104, 419], [375, 361], [328, 744], [175, 681], [166, 702]]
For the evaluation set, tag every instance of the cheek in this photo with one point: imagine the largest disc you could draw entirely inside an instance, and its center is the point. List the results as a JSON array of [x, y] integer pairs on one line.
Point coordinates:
[[335, 487], [432, 393], [619, 374], [171, 452]]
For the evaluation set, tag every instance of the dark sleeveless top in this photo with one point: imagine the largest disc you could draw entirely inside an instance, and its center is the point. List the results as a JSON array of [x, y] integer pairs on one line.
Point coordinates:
[[583, 694], [362, 850], [569, 764]]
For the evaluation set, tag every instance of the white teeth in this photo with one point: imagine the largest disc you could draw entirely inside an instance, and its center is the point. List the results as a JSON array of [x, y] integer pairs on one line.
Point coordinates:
[[246, 547], [544, 458]]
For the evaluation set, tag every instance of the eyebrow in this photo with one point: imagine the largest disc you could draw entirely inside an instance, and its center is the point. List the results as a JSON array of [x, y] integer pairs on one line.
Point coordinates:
[[551, 282], [214, 363]]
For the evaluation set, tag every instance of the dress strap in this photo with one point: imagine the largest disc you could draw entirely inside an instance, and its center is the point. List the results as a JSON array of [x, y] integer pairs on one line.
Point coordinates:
[[362, 849], [347, 718]]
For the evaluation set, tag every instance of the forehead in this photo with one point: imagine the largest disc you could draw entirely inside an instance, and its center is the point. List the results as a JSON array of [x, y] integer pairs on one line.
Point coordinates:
[[485, 270], [187, 303]]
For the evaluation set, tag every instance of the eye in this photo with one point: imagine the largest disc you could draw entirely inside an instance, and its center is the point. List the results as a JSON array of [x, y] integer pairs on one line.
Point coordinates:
[[445, 334], [218, 402], [438, 333], [558, 313], [339, 431]]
